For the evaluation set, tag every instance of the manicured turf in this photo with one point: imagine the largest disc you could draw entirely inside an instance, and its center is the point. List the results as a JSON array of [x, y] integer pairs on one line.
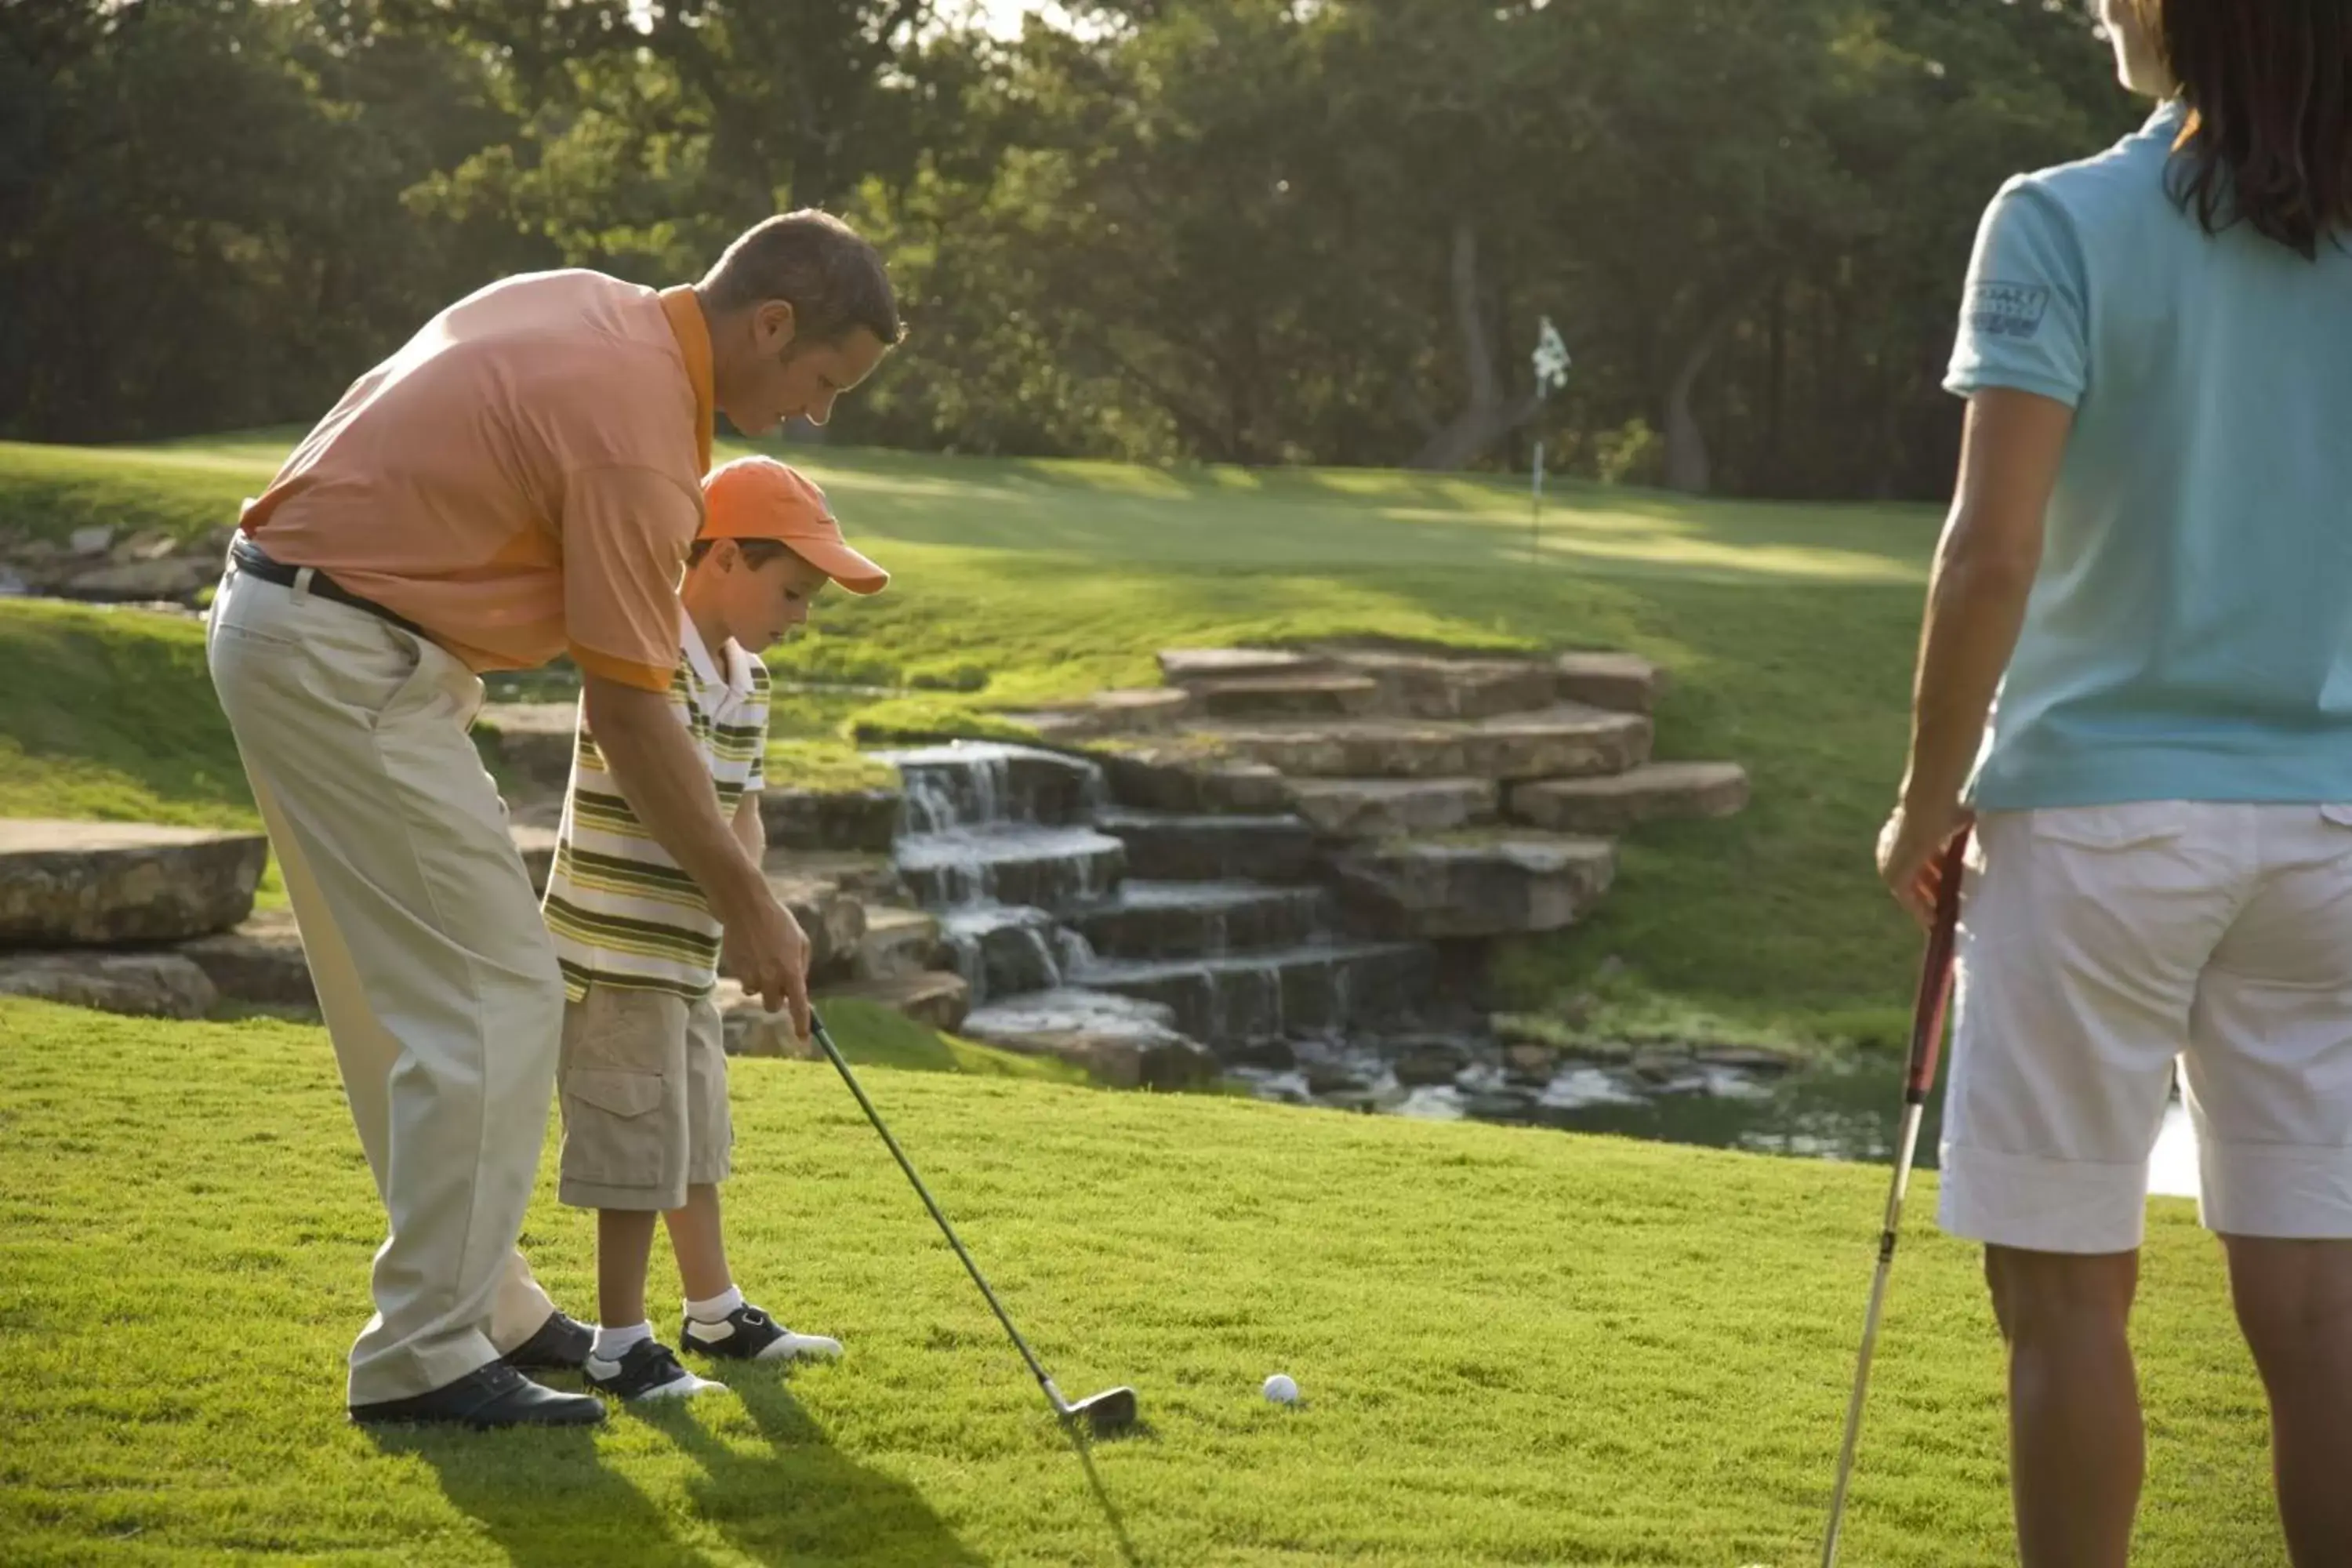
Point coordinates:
[[1788, 630], [1515, 1347]]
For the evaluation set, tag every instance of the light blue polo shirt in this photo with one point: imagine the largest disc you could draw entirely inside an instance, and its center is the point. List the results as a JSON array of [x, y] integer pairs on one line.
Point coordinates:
[[2190, 635]]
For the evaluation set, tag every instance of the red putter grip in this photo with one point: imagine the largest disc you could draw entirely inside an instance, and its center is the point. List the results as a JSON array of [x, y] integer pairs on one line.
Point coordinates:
[[1935, 973]]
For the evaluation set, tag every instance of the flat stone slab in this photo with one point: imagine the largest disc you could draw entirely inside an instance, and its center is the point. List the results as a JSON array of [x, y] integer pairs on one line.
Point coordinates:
[[859, 819], [1441, 686], [1238, 998], [260, 961], [142, 984], [1189, 777], [1118, 711], [1199, 920], [535, 842], [1052, 868], [1304, 696], [1616, 802], [1391, 808], [983, 784], [1175, 847], [1122, 1042], [1183, 665], [1496, 883], [936, 999], [1569, 740], [69, 884], [1624, 682], [897, 943]]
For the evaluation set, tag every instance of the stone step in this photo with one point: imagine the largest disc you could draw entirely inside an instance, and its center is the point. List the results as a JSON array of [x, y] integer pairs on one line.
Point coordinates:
[[142, 984], [1194, 919], [260, 962], [857, 820], [1387, 808], [1569, 740], [1005, 950], [1187, 666], [1623, 682], [1241, 998], [1123, 711], [1337, 695], [1619, 801], [70, 884], [1174, 847], [1495, 882], [1054, 869], [1419, 684], [529, 743], [898, 942], [1123, 1042], [985, 784], [867, 877], [937, 999], [1178, 777]]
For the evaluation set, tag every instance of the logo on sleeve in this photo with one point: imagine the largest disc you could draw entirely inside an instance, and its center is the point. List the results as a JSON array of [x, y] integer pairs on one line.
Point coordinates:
[[2008, 309]]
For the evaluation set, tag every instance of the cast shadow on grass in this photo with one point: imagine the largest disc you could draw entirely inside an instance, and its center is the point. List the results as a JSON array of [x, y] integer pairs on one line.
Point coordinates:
[[548, 1500]]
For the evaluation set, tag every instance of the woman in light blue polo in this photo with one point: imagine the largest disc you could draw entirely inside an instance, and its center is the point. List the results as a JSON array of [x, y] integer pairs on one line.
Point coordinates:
[[2149, 557]]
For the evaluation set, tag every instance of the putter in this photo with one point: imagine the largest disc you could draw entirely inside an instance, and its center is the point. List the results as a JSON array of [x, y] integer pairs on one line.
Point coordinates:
[[1926, 1041], [1106, 1414]]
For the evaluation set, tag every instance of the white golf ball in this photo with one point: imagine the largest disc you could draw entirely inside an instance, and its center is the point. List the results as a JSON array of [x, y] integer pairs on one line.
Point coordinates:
[[1282, 1389]]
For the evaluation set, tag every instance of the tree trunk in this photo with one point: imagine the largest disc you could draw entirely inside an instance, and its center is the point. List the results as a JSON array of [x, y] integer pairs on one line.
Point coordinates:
[[1492, 413], [1688, 469]]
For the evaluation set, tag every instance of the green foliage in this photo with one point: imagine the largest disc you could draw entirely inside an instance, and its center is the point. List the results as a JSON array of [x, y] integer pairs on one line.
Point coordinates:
[[1237, 230]]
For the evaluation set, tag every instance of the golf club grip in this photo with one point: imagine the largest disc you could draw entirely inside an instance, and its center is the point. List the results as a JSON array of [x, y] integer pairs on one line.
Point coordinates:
[[1935, 973], [841, 1064]]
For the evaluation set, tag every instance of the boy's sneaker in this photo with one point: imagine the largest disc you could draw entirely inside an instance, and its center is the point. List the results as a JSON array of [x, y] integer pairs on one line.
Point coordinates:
[[646, 1370], [748, 1333]]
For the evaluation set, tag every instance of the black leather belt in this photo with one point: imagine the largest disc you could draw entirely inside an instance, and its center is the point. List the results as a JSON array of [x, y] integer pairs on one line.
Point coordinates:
[[248, 556]]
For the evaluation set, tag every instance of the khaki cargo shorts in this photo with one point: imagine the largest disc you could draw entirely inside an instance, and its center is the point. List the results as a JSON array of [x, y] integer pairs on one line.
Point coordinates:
[[643, 1084]]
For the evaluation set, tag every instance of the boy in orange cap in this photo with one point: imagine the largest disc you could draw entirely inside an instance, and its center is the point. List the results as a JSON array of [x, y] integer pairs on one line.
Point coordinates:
[[643, 1075]]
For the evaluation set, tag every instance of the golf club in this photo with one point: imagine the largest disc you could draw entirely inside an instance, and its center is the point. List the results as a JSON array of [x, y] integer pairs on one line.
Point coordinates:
[[1105, 1414], [1926, 1041]]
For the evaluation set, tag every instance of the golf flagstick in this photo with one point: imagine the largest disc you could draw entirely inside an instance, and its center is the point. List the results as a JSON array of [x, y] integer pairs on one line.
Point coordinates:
[[1926, 1042]]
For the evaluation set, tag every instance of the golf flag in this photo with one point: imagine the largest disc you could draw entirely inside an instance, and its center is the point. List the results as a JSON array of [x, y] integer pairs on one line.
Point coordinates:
[[1551, 359]]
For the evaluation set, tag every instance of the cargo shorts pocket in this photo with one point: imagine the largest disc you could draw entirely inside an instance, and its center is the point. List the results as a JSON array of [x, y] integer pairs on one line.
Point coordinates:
[[613, 1132]]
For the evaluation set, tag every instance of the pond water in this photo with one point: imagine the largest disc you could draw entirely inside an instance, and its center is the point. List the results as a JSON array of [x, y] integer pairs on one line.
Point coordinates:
[[1848, 1110]]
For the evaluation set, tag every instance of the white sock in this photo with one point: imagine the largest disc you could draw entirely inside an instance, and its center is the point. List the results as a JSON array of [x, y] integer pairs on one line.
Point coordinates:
[[716, 1309], [611, 1344]]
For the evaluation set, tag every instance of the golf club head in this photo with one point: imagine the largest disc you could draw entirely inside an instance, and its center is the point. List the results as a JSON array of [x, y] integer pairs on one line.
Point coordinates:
[[1107, 1413]]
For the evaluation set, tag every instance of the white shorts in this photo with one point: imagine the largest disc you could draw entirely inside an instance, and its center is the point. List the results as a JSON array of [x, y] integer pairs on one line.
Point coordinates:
[[2100, 944]]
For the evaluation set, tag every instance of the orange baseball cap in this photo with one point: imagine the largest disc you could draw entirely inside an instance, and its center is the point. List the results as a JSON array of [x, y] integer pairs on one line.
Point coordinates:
[[760, 497]]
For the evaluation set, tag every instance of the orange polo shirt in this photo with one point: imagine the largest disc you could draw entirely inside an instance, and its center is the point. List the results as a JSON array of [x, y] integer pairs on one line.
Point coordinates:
[[522, 479]]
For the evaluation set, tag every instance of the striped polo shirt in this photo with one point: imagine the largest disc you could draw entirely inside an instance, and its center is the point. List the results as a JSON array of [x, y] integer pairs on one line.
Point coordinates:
[[622, 911]]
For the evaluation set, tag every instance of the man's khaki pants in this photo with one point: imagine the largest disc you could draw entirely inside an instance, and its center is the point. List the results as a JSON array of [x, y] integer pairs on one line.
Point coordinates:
[[437, 977]]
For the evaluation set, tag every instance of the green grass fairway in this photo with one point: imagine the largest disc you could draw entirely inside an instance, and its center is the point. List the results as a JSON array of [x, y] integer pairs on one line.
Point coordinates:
[[1517, 1348], [1788, 630]]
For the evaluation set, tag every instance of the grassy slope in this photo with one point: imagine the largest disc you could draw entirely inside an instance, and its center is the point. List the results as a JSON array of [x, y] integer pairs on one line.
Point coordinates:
[[1516, 1347], [1788, 630]]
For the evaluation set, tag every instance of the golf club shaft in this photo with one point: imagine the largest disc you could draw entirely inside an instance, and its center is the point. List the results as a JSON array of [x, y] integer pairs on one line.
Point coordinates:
[[833, 1054], [1918, 1080]]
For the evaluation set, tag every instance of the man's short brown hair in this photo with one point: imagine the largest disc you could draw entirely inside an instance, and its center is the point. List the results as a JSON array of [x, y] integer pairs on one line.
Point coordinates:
[[832, 278]]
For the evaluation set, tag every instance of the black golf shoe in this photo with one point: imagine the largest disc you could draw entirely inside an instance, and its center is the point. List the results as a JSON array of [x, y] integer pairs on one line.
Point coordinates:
[[646, 1370], [559, 1345], [492, 1396], [748, 1333]]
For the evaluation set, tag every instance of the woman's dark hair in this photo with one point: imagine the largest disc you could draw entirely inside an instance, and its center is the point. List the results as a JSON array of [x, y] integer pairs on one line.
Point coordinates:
[[2268, 140]]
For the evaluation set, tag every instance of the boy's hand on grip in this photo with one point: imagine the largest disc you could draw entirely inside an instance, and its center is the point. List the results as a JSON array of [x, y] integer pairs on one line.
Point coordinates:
[[769, 954]]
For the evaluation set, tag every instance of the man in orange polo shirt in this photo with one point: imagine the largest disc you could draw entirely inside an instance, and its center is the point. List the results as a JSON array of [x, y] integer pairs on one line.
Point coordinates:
[[522, 479]]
